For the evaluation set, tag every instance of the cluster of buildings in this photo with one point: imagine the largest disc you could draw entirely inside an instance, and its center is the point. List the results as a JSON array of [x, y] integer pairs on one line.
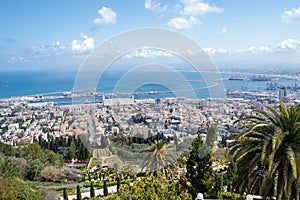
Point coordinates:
[[273, 93], [21, 120]]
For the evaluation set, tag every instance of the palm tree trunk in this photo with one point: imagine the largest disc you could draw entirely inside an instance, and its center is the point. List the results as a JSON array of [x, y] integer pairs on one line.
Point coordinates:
[[280, 185], [253, 184]]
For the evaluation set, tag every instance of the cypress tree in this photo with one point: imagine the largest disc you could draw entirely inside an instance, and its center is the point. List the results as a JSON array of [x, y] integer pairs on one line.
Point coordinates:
[[80, 152], [211, 135], [84, 152], [118, 183], [72, 150], [78, 193], [35, 140], [218, 186], [199, 168], [41, 140], [83, 178], [77, 141], [231, 176], [92, 190], [65, 194], [105, 189]]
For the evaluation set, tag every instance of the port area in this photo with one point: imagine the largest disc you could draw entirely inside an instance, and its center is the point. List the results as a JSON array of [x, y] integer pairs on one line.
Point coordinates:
[[251, 78]]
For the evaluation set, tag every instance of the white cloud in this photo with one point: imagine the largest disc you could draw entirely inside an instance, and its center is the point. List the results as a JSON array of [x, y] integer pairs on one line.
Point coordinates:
[[55, 48], [86, 43], [155, 6], [198, 7], [83, 45], [183, 22], [290, 15], [147, 52], [284, 46], [107, 16], [253, 50], [224, 29], [189, 10], [210, 51], [287, 45], [18, 59], [56, 44]]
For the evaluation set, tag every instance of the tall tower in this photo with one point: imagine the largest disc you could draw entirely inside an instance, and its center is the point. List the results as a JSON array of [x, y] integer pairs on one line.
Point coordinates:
[[157, 103], [282, 95]]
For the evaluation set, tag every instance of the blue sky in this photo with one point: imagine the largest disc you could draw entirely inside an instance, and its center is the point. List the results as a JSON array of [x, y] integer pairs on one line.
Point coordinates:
[[53, 34]]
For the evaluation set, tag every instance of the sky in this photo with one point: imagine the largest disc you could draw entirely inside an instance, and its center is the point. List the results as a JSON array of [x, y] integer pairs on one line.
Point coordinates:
[[60, 34]]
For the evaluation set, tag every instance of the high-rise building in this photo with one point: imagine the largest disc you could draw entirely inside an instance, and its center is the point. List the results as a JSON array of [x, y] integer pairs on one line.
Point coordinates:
[[283, 95]]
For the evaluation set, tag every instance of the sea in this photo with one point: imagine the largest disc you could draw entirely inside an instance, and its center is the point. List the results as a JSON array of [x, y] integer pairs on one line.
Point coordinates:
[[24, 83]]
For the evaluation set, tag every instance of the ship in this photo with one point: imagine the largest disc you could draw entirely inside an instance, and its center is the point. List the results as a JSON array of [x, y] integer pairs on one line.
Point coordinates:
[[236, 78], [260, 78], [252, 78], [153, 92], [67, 94]]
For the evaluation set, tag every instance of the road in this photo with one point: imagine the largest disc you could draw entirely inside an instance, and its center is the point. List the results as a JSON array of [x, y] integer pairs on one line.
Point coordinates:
[[61, 186]]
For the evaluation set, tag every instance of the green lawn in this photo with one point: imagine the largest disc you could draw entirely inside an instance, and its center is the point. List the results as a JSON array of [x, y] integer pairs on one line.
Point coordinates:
[[96, 162]]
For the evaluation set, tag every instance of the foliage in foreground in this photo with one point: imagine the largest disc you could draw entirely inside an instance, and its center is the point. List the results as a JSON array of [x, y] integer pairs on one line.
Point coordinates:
[[199, 169], [151, 187], [26, 162], [268, 153], [13, 188]]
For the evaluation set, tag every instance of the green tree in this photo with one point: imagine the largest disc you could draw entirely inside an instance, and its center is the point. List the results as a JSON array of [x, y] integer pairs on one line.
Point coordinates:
[[26, 162], [158, 156], [211, 135], [151, 187], [89, 177], [83, 177], [221, 155], [118, 183], [78, 192], [65, 194], [14, 188], [92, 190], [35, 152], [72, 150], [105, 189], [12, 167], [34, 169], [7, 150], [231, 176], [267, 152], [199, 168], [218, 186]]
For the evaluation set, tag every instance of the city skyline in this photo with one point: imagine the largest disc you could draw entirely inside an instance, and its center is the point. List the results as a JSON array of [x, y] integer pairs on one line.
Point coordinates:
[[60, 34]]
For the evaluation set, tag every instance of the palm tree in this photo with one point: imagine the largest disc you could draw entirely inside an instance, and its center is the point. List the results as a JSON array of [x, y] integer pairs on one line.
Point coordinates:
[[159, 156], [268, 152]]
